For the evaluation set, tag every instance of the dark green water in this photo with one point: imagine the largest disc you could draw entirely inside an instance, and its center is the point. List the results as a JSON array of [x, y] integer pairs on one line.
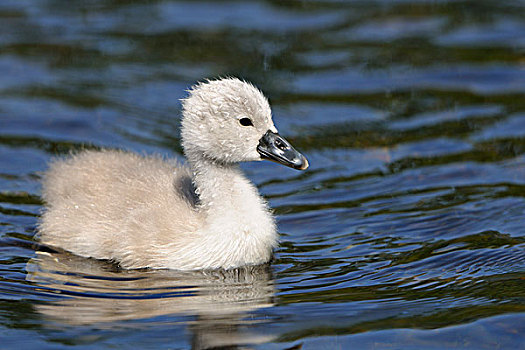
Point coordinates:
[[407, 232]]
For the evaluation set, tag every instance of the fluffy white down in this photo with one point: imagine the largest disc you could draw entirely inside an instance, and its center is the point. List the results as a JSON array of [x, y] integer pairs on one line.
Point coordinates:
[[150, 212]]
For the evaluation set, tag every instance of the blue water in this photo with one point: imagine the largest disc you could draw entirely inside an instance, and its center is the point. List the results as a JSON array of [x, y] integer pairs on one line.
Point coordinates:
[[407, 231]]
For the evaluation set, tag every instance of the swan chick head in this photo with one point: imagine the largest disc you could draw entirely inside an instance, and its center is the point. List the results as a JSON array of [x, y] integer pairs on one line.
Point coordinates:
[[229, 121]]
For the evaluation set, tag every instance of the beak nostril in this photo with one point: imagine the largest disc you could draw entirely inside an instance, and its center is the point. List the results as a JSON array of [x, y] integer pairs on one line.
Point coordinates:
[[281, 145]]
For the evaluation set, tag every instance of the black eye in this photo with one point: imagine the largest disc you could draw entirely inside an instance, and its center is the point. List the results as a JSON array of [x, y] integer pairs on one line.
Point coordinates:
[[246, 122]]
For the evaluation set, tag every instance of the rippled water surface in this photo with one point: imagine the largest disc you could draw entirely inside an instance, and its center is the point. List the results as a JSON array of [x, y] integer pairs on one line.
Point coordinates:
[[407, 232]]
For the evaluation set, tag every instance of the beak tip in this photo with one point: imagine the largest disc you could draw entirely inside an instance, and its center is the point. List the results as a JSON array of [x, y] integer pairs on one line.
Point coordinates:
[[304, 164]]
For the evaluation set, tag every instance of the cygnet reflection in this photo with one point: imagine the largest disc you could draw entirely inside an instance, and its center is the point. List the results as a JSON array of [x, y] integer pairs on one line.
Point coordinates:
[[97, 292]]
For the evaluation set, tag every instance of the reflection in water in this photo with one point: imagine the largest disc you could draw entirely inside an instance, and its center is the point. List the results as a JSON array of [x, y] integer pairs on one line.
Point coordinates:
[[98, 292]]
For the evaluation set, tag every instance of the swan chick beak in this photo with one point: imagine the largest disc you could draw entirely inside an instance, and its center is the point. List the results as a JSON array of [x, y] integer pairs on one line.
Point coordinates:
[[274, 147]]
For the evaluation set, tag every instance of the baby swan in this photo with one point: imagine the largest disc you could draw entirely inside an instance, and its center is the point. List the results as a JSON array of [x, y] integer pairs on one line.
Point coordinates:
[[148, 212]]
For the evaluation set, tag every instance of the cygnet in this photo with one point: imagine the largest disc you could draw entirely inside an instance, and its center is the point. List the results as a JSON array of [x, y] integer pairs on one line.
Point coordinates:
[[148, 212]]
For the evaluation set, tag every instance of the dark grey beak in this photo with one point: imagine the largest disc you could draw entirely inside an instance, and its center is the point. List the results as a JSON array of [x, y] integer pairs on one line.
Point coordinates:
[[274, 147]]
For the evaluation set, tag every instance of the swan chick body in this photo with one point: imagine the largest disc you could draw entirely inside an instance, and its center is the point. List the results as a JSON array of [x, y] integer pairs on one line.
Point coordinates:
[[148, 212]]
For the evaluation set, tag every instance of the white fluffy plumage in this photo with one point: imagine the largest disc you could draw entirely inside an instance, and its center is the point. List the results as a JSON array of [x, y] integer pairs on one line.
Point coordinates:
[[150, 212]]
